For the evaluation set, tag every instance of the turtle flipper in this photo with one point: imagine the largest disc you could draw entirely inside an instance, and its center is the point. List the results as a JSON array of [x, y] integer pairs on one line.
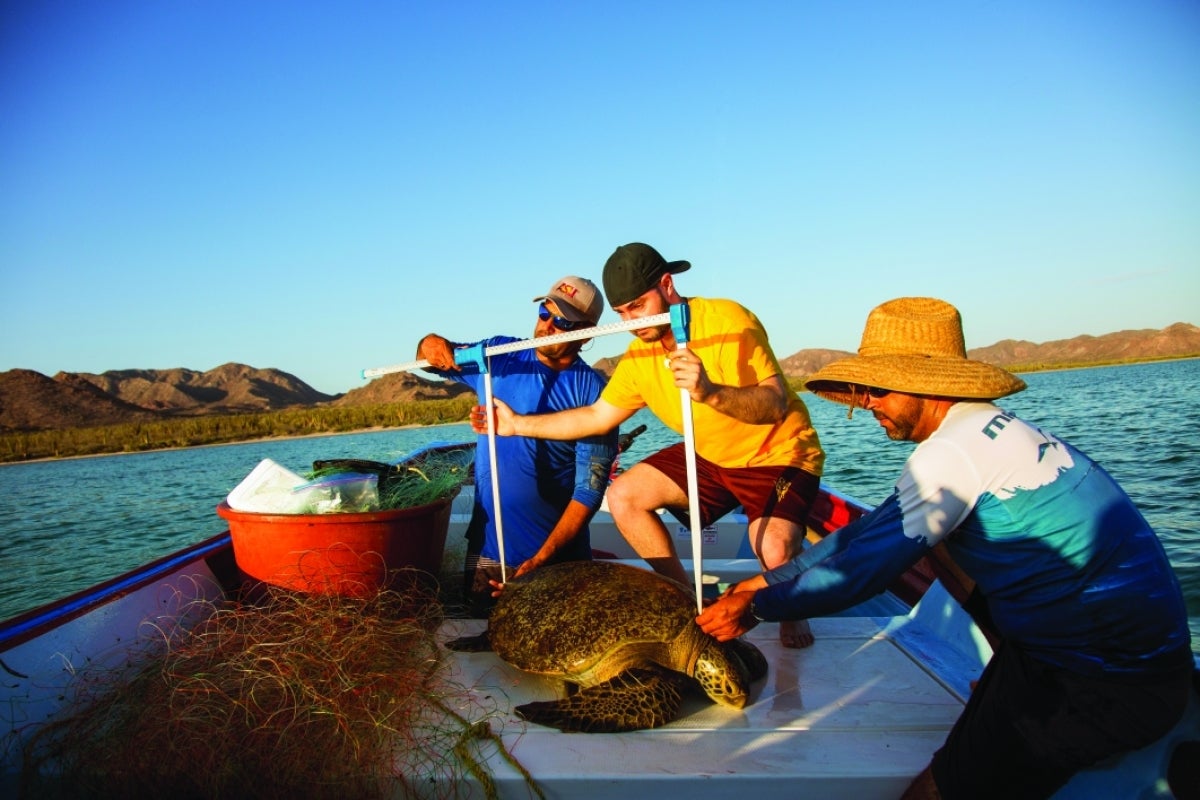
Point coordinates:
[[636, 699], [751, 657]]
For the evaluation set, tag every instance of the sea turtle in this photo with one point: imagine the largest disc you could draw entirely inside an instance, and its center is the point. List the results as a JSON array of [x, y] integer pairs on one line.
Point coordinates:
[[625, 641]]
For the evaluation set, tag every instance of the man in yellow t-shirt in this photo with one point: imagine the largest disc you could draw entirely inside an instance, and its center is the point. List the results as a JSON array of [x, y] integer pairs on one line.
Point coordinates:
[[755, 444]]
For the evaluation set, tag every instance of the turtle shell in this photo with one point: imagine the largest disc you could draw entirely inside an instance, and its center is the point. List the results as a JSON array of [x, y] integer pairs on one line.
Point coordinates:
[[626, 637], [617, 617]]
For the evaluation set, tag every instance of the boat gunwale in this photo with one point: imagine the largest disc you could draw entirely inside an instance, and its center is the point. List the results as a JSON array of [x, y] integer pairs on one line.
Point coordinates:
[[37, 621]]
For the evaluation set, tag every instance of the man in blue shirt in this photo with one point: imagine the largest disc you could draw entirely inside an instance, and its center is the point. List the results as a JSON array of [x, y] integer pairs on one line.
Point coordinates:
[[1094, 653], [549, 490]]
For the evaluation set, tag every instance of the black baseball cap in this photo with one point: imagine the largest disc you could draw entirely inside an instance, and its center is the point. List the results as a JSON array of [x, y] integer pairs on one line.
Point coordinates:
[[633, 269]]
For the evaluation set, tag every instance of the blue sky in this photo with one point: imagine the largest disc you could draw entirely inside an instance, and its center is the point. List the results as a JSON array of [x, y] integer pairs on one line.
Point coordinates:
[[315, 186]]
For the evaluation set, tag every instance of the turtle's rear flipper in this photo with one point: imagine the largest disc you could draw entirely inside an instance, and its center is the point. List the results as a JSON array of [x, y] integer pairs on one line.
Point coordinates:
[[633, 700], [479, 643]]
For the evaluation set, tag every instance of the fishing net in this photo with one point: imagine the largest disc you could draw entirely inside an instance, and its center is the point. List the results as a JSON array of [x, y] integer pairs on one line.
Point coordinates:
[[294, 695], [428, 478]]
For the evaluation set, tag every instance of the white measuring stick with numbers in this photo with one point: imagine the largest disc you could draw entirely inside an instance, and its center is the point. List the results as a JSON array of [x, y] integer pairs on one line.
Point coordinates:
[[527, 344]]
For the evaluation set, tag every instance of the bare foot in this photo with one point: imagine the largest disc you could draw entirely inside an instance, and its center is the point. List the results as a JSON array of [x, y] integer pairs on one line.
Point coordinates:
[[795, 633]]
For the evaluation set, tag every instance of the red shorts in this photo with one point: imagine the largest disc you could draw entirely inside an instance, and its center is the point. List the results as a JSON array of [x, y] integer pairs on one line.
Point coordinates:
[[783, 492]]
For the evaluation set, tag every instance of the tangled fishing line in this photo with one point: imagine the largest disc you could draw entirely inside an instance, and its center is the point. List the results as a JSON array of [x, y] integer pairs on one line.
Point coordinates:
[[295, 695]]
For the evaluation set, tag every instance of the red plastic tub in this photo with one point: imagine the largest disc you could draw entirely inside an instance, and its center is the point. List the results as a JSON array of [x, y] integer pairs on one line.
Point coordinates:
[[346, 554]]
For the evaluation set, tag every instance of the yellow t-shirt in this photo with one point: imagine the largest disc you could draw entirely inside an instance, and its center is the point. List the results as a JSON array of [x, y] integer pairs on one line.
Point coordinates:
[[733, 346]]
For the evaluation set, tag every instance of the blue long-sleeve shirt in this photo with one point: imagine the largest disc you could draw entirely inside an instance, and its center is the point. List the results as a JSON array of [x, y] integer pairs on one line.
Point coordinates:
[[538, 477]]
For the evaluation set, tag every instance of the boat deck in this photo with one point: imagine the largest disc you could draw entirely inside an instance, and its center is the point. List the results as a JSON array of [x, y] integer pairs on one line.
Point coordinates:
[[854, 716]]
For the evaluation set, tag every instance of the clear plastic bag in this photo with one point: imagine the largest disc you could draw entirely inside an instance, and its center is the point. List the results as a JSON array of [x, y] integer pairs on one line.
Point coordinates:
[[341, 493]]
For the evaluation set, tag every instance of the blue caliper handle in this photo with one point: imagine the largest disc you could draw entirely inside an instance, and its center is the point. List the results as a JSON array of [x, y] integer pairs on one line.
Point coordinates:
[[681, 321], [472, 355]]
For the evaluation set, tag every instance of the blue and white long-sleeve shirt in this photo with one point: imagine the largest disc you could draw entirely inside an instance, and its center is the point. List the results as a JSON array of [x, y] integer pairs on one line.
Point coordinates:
[[1070, 569]]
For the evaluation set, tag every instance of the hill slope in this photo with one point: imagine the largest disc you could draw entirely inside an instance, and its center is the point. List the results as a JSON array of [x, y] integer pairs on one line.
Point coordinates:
[[401, 387], [1180, 339], [227, 389], [31, 401]]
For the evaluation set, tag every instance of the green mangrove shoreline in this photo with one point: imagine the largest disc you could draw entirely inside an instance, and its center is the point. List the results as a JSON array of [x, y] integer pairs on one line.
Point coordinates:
[[174, 433]]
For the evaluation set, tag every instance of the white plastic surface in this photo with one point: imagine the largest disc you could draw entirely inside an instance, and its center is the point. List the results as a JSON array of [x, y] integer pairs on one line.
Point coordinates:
[[853, 717]]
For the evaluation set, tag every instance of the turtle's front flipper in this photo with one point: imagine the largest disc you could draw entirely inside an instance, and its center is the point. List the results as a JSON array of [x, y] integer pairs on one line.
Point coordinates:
[[635, 699], [751, 657]]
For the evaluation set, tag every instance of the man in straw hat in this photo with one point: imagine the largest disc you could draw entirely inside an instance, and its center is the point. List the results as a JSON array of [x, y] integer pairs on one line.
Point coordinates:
[[549, 490], [755, 444], [1094, 653]]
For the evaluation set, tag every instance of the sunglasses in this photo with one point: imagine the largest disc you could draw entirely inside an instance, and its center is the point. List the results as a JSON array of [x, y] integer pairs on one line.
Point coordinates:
[[562, 323], [875, 391]]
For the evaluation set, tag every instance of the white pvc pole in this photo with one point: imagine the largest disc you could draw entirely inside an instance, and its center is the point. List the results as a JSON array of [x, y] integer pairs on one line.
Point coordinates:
[[693, 491], [681, 328], [491, 434]]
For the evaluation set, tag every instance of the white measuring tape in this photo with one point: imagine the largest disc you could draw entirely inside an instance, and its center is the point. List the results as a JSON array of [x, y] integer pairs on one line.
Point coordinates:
[[527, 344]]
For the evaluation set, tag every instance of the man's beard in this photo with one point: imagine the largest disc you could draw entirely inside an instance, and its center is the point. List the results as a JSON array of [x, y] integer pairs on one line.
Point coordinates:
[[899, 429], [559, 350], [652, 334]]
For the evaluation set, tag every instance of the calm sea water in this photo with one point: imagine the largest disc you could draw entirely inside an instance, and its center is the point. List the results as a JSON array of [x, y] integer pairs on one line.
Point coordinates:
[[66, 525]]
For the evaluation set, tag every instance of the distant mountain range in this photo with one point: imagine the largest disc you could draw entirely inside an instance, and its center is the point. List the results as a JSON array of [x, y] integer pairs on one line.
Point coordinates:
[[32, 401]]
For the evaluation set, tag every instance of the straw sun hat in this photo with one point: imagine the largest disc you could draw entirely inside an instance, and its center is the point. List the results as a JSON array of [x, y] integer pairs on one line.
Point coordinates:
[[913, 345]]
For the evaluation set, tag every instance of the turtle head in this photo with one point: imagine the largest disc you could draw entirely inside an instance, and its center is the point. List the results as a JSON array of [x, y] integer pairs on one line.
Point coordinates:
[[721, 674]]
